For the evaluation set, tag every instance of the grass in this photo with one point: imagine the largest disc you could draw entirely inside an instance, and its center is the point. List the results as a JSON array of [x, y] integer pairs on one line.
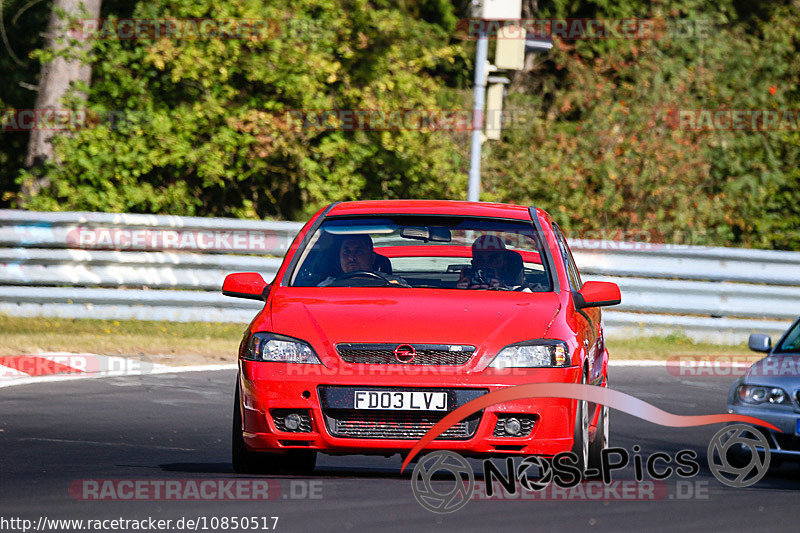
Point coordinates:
[[173, 342], [661, 348], [178, 343]]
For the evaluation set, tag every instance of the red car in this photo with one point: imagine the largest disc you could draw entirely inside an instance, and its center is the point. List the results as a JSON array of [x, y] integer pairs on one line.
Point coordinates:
[[386, 315]]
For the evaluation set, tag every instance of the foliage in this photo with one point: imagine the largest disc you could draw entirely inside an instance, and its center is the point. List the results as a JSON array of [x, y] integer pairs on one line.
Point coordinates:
[[597, 144], [22, 26], [201, 129], [604, 153]]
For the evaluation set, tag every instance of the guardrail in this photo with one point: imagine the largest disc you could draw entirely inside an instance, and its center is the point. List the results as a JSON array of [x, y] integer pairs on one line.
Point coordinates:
[[104, 265]]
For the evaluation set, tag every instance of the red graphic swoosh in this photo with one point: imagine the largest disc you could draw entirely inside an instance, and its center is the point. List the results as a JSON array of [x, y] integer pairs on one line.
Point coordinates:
[[576, 391]]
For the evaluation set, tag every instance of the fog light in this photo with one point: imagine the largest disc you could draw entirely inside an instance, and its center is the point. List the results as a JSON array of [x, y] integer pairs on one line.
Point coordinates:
[[292, 421], [513, 426]]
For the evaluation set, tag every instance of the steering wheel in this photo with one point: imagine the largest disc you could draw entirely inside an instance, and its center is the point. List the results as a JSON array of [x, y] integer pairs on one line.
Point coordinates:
[[385, 278], [364, 274]]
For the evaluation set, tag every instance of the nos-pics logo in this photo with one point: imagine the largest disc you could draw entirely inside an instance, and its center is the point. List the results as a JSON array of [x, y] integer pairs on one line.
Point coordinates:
[[444, 481], [734, 454]]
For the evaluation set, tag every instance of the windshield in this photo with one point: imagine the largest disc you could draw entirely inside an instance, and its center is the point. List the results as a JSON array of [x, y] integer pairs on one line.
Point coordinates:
[[424, 252], [790, 343]]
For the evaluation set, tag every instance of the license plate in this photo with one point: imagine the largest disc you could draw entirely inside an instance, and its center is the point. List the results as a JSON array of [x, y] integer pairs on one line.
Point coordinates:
[[401, 400]]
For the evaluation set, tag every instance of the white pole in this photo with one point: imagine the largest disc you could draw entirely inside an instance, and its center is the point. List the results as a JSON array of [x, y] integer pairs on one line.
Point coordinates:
[[481, 58]]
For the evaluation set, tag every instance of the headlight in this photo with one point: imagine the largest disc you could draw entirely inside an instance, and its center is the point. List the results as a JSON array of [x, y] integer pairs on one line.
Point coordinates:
[[532, 354], [278, 348], [756, 394]]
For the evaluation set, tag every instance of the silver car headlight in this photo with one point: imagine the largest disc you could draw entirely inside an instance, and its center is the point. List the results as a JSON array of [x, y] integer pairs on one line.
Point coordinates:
[[281, 349], [757, 395], [541, 353]]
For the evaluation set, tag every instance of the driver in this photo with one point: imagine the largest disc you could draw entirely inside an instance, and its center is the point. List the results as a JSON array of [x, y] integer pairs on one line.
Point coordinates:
[[356, 254]]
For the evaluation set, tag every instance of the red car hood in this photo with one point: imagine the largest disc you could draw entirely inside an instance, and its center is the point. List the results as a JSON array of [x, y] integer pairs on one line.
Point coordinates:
[[484, 319]]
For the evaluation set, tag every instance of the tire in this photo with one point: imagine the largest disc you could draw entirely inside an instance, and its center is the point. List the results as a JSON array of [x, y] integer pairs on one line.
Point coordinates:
[[602, 437], [248, 462], [244, 461], [580, 446], [600, 442]]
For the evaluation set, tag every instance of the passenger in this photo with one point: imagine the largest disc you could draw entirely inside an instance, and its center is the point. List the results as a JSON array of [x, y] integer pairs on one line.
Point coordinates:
[[493, 266]]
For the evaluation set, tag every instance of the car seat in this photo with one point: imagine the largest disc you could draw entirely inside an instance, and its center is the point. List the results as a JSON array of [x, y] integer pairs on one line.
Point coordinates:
[[382, 264], [513, 274]]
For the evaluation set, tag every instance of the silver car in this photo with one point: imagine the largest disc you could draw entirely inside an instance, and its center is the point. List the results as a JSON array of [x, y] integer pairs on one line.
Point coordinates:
[[770, 390]]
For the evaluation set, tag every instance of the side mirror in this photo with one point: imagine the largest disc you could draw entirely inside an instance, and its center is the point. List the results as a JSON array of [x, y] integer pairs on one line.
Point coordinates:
[[597, 294], [758, 342], [245, 285]]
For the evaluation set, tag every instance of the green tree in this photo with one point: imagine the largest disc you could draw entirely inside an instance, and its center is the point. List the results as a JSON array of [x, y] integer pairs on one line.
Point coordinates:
[[601, 150], [202, 132], [22, 24]]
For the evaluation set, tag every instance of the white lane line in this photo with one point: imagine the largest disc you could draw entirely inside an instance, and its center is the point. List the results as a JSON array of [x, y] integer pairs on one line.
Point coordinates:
[[28, 380], [193, 368], [10, 372], [633, 362], [123, 444], [23, 379]]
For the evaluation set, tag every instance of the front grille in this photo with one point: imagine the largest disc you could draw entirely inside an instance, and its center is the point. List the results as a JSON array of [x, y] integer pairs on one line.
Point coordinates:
[[394, 425], [279, 417], [427, 354]]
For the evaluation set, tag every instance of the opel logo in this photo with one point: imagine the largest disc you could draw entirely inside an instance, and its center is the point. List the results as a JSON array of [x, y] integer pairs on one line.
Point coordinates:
[[405, 353]]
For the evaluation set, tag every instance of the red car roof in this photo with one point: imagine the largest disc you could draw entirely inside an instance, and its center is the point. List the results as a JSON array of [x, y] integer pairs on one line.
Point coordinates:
[[431, 207]]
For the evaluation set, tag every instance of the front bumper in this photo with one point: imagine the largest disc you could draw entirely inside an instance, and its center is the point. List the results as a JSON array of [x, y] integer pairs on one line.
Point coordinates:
[[265, 387], [787, 441]]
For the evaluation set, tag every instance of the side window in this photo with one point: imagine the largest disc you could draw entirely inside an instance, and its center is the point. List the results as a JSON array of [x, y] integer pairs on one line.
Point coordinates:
[[569, 262]]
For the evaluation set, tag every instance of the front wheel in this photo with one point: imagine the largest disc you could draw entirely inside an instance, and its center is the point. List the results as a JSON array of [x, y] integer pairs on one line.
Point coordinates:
[[248, 462], [580, 446], [600, 442], [244, 461]]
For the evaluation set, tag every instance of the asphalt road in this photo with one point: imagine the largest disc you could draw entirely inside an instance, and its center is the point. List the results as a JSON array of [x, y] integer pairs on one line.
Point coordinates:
[[177, 427]]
